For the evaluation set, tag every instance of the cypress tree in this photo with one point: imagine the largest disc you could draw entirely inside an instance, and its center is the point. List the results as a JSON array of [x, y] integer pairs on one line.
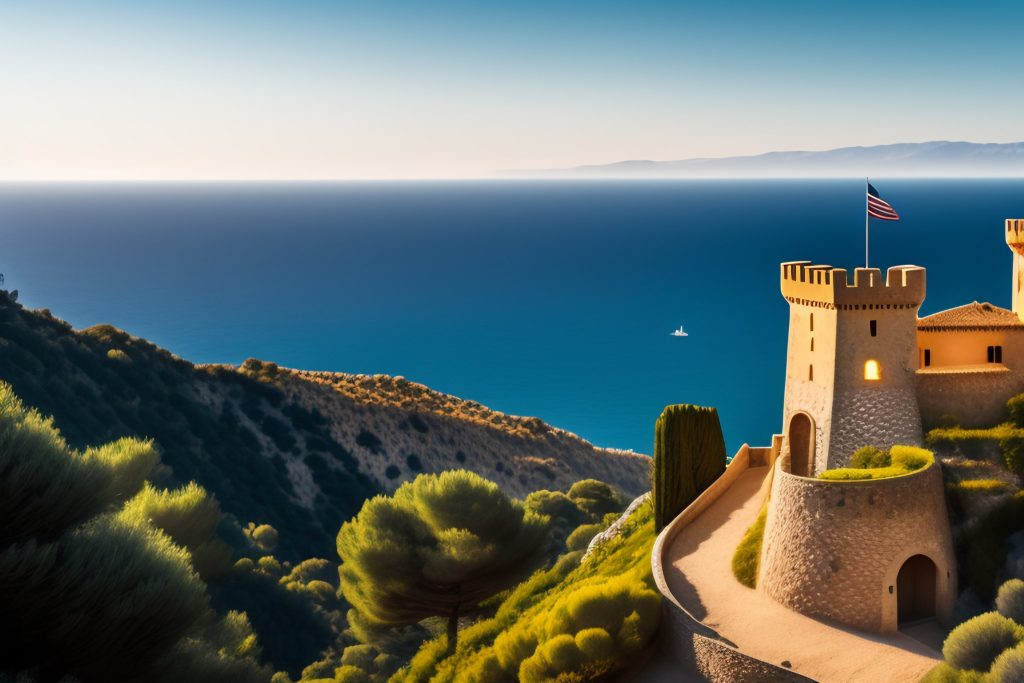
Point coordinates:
[[689, 454]]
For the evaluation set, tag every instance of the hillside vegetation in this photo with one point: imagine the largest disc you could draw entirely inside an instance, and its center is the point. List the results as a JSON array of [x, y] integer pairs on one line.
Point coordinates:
[[254, 470], [572, 622], [96, 580], [299, 451], [397, 429], [982, 469]]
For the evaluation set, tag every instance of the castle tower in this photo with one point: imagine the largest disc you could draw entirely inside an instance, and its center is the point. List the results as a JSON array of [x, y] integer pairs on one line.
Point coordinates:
[[850, 366], [1015, 240]]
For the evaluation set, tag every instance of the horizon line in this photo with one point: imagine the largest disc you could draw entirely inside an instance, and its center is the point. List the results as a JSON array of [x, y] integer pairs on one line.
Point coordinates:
[[512, 177]]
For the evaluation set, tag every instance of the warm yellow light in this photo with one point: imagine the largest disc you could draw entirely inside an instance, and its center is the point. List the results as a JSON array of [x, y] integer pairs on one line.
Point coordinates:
[[872, 371]]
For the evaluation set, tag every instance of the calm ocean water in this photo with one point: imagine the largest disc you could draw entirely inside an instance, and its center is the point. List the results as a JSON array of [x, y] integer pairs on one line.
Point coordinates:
[[553, 299]]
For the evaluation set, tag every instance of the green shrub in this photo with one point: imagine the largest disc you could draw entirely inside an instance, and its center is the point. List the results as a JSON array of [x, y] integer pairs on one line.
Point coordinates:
[[350, 674], [188, 515], [560, 652], [270, 566], [90, 594], [944, 673], [595, 644], [689, 454], [608, 606], [484, 668], [513, 646], [1013, 453], [1015, 409], [118, 355], [976, 643], [904, 460], [972, 485], [263, 536], [1010, 600], [869, 456], [595, 498], [564, 515], [746, 560], [581, 537], [911, 458], [1009, 666], [361, 656]]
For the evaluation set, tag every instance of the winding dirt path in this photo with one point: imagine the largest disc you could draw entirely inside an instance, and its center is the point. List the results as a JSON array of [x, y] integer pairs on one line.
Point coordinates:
[[699, 574]]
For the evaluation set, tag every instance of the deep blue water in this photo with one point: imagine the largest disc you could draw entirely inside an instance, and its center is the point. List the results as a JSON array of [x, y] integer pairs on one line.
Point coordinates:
[[552, 299]]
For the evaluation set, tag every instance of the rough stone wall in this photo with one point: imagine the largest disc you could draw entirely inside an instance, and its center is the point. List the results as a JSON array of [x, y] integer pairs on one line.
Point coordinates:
[[701, 652], [876, 416], [874, 412], [833, 549], [974, 399]]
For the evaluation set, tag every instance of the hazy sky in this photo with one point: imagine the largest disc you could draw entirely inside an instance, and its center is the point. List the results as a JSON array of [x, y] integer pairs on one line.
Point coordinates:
[[301, 89]]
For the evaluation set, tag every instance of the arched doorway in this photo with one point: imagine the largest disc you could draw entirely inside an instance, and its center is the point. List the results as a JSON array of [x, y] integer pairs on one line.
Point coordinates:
[[915, 590], [801, 445]]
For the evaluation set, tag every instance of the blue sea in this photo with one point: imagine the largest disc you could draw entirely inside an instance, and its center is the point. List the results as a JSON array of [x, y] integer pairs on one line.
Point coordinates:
[[546, 298]]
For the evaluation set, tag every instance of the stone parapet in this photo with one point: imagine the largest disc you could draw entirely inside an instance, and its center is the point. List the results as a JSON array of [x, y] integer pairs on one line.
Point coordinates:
[[827, 287]]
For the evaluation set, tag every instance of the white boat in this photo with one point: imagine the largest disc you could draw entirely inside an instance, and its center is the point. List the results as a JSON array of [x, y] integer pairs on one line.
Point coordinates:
[[679, 332]]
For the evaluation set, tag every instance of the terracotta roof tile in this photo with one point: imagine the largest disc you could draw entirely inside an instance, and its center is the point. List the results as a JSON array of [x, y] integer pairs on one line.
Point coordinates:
[[971, 316]]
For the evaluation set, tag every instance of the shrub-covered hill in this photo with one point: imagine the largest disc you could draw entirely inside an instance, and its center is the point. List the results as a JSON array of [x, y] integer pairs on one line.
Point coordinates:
[[573, 622], [398, 429], [289, 449]]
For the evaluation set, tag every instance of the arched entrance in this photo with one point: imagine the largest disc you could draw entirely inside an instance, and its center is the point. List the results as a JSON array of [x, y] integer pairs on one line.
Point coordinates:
[[801, 445], [915, 590]]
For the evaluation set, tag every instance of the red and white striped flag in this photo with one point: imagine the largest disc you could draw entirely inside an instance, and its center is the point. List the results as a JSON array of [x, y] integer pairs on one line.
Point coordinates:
[[879, 208]]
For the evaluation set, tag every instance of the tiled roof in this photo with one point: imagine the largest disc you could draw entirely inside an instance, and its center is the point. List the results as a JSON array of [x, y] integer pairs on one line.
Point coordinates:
[[971, 316]]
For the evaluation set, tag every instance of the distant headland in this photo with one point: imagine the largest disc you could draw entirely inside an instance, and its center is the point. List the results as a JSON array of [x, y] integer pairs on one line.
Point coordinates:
[[914, 159]]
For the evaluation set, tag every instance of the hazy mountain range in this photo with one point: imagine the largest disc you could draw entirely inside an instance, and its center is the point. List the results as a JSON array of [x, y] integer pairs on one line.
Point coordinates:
[[939, 158]]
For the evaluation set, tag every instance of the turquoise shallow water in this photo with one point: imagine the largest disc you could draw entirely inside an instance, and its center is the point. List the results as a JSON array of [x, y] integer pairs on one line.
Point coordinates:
[[553, 299]]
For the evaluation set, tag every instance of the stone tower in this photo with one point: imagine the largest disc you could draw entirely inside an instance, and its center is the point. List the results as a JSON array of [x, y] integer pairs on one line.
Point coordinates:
[[1015, 240], [851, 362]]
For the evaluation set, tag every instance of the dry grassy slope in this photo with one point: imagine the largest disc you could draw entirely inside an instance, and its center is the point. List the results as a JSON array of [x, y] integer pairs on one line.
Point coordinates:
[[396, 428]]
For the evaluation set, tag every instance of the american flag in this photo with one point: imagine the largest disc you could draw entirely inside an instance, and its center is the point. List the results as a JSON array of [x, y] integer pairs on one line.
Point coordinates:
[[878, 207]]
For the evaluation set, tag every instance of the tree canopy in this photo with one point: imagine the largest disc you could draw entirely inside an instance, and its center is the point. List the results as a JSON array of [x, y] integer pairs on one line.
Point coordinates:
[[88, 592], [437, 547]]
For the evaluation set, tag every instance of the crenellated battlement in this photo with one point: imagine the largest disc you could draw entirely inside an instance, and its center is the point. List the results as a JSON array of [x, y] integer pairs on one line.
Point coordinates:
[[827, 287], [1015, 234]]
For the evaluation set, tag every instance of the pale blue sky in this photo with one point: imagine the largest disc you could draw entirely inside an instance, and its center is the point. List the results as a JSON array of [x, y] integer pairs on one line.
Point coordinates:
[[137, 90]]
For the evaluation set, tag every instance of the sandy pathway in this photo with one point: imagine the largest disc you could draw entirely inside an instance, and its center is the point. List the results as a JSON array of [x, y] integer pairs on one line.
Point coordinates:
[[704, 585]]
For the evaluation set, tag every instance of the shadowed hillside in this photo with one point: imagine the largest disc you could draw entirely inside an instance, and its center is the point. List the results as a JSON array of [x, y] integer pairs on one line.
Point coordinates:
[[300, 451]]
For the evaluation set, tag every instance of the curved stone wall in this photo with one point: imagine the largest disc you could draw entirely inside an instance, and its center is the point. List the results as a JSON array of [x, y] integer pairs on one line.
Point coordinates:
[[834, 549], [698, 649]]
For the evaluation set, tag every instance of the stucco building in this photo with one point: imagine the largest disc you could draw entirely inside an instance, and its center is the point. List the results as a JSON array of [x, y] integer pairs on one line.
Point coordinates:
[[863, 369]]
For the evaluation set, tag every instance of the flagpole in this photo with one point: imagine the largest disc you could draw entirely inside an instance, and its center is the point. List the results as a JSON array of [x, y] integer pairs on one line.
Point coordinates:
[[866, 183]]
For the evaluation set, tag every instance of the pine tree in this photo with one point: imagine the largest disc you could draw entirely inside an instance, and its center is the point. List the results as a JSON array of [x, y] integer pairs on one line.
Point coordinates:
[[438, 547]]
